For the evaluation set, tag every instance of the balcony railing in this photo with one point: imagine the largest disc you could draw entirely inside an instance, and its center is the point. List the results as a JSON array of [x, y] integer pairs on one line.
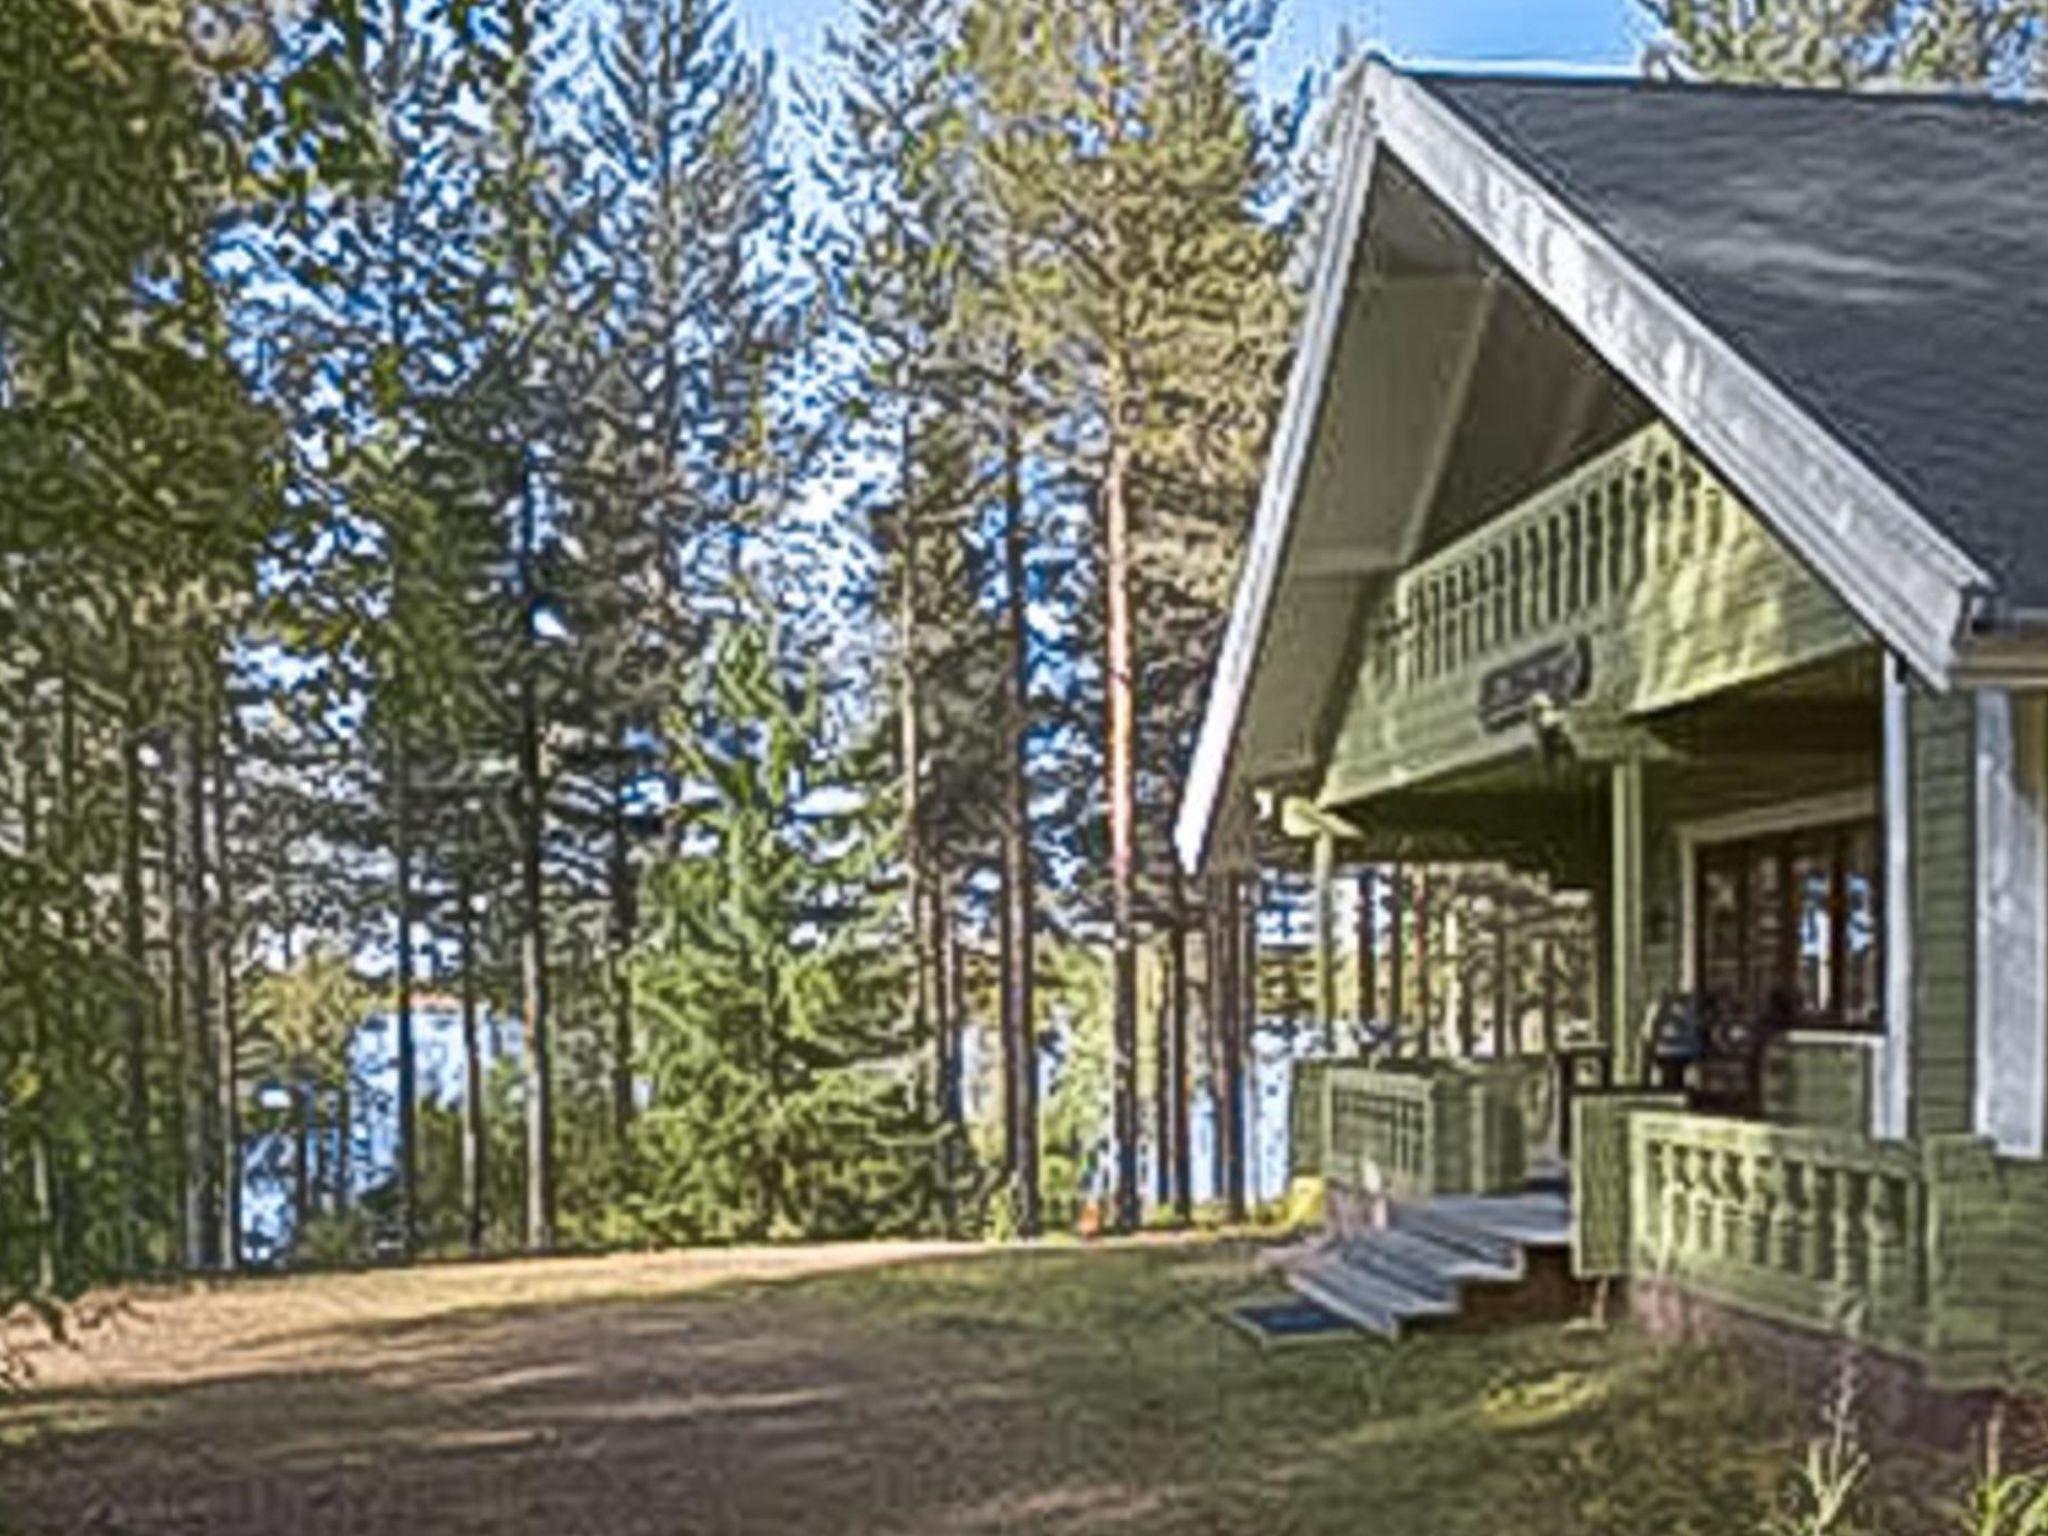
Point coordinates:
[[1593, 542], [1639, 577]]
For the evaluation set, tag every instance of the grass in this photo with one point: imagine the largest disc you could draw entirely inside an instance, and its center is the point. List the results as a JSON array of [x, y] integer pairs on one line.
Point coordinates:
[[1060, 1390]]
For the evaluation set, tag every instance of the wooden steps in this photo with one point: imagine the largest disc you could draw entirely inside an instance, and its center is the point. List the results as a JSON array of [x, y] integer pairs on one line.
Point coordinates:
[[1418, 1266]]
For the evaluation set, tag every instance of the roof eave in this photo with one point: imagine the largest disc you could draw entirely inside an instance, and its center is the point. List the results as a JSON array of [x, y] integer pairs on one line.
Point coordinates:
[[1905, 581]]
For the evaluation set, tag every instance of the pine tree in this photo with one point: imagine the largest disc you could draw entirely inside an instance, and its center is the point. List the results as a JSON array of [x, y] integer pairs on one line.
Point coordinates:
[[686, 211], [1998, 45], [1157, 314]]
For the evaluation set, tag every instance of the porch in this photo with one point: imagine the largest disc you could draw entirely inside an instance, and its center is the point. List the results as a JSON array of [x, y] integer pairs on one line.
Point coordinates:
[[1626, 686]]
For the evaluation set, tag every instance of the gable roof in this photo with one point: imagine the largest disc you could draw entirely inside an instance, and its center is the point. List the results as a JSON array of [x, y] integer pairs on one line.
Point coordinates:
[[1882, 258], [1833, 296]]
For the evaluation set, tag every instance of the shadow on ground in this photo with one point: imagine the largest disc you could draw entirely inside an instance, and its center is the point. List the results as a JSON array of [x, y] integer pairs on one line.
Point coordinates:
[[1069, 1392]]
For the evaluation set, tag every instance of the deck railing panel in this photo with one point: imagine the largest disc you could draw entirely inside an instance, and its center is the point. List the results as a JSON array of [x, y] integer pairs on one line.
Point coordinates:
[[1641, 555], [1815, 1227]]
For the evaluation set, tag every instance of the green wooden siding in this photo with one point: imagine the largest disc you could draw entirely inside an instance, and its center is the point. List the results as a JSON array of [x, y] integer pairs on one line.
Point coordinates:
[[1943, 731], [1679, 591], [1824, 1084]]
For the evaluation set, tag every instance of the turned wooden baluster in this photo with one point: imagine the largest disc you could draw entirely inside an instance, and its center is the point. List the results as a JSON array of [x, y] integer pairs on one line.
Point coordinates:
[[1686, 1190], [1735, 1197], [1885, 1239], [1859, 1236], [1763, 1205]]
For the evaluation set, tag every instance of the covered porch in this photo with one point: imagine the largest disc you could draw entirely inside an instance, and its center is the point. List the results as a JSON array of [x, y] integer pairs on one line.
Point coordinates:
[[1551, 578]]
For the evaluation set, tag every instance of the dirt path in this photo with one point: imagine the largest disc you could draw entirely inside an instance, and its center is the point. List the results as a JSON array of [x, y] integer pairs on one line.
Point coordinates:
[[673, 1394], [876, 1391]]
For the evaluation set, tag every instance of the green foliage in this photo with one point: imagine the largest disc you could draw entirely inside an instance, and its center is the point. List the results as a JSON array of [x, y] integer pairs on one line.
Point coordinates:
[[1999, 45], [2001, 1501], [783, 1090]]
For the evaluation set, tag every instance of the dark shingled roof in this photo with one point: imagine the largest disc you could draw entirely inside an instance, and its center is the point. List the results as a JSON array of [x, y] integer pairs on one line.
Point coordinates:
[[1884, 258]]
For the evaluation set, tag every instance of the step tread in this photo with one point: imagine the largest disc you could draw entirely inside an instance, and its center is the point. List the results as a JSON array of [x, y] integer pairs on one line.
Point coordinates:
[[1372, 1300], [1421, 1256], [1455, 1232]]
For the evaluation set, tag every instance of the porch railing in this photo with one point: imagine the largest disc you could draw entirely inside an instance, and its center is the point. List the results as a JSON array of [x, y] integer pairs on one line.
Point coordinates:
[[1815, 1227], [1411, 1129]]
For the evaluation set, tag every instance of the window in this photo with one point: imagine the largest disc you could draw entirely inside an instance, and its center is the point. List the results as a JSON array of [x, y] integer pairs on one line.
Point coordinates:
[[1789, 925]]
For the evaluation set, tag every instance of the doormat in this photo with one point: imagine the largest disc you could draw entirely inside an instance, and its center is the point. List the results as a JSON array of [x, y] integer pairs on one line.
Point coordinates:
[[1288, 1320]]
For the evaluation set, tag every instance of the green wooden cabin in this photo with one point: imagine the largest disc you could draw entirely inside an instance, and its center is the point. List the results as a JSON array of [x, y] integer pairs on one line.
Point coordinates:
[[1661, 503]]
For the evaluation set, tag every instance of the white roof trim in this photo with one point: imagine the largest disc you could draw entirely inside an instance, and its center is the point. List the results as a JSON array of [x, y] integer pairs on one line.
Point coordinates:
[[1906, 581], [1901, 577]]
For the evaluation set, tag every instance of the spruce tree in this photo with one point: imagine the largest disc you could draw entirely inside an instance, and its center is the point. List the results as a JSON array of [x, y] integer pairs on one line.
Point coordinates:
[[783, 1078]]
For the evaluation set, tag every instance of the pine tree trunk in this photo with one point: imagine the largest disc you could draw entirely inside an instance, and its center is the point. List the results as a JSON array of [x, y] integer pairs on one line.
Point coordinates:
[[1216, 994], [227, 1112], [302, 1156], [344, 1139], [69, 829], [910, 751], [1247, 938], [175, 1033], [472, 1065], [952, 1008], [200, 1235], [41, 1174], [620, 876], [135, 953], [1226, 964], [1162, 1095], [1019, 904], [540, 1115], [407, 1149], [1120, 681]]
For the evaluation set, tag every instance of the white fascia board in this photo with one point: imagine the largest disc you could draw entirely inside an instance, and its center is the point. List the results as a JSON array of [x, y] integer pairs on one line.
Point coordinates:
[[1259, 578], [1902, 578]]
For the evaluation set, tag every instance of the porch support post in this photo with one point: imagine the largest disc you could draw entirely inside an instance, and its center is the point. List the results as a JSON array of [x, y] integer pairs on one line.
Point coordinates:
[[1625, 926], [1891, 1098], [2012, 942], [1397, 955], [1326, 940]]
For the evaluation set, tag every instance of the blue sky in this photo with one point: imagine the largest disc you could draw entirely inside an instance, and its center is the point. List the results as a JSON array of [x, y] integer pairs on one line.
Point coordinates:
[[1582, 33]]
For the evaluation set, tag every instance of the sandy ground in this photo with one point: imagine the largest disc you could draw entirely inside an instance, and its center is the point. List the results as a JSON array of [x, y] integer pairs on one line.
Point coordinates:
[[669, 1393], [900, 1391]]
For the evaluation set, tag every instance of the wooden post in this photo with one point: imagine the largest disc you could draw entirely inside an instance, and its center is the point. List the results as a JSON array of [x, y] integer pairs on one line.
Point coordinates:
[[1247, 1021], [1397, 951], [1507, 1034], [1174, 1131], [1625, 898], [1550, 994], [1892, 1098], [1326, 941], [1221, 977], [1425, 1004], [1368, 947]]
